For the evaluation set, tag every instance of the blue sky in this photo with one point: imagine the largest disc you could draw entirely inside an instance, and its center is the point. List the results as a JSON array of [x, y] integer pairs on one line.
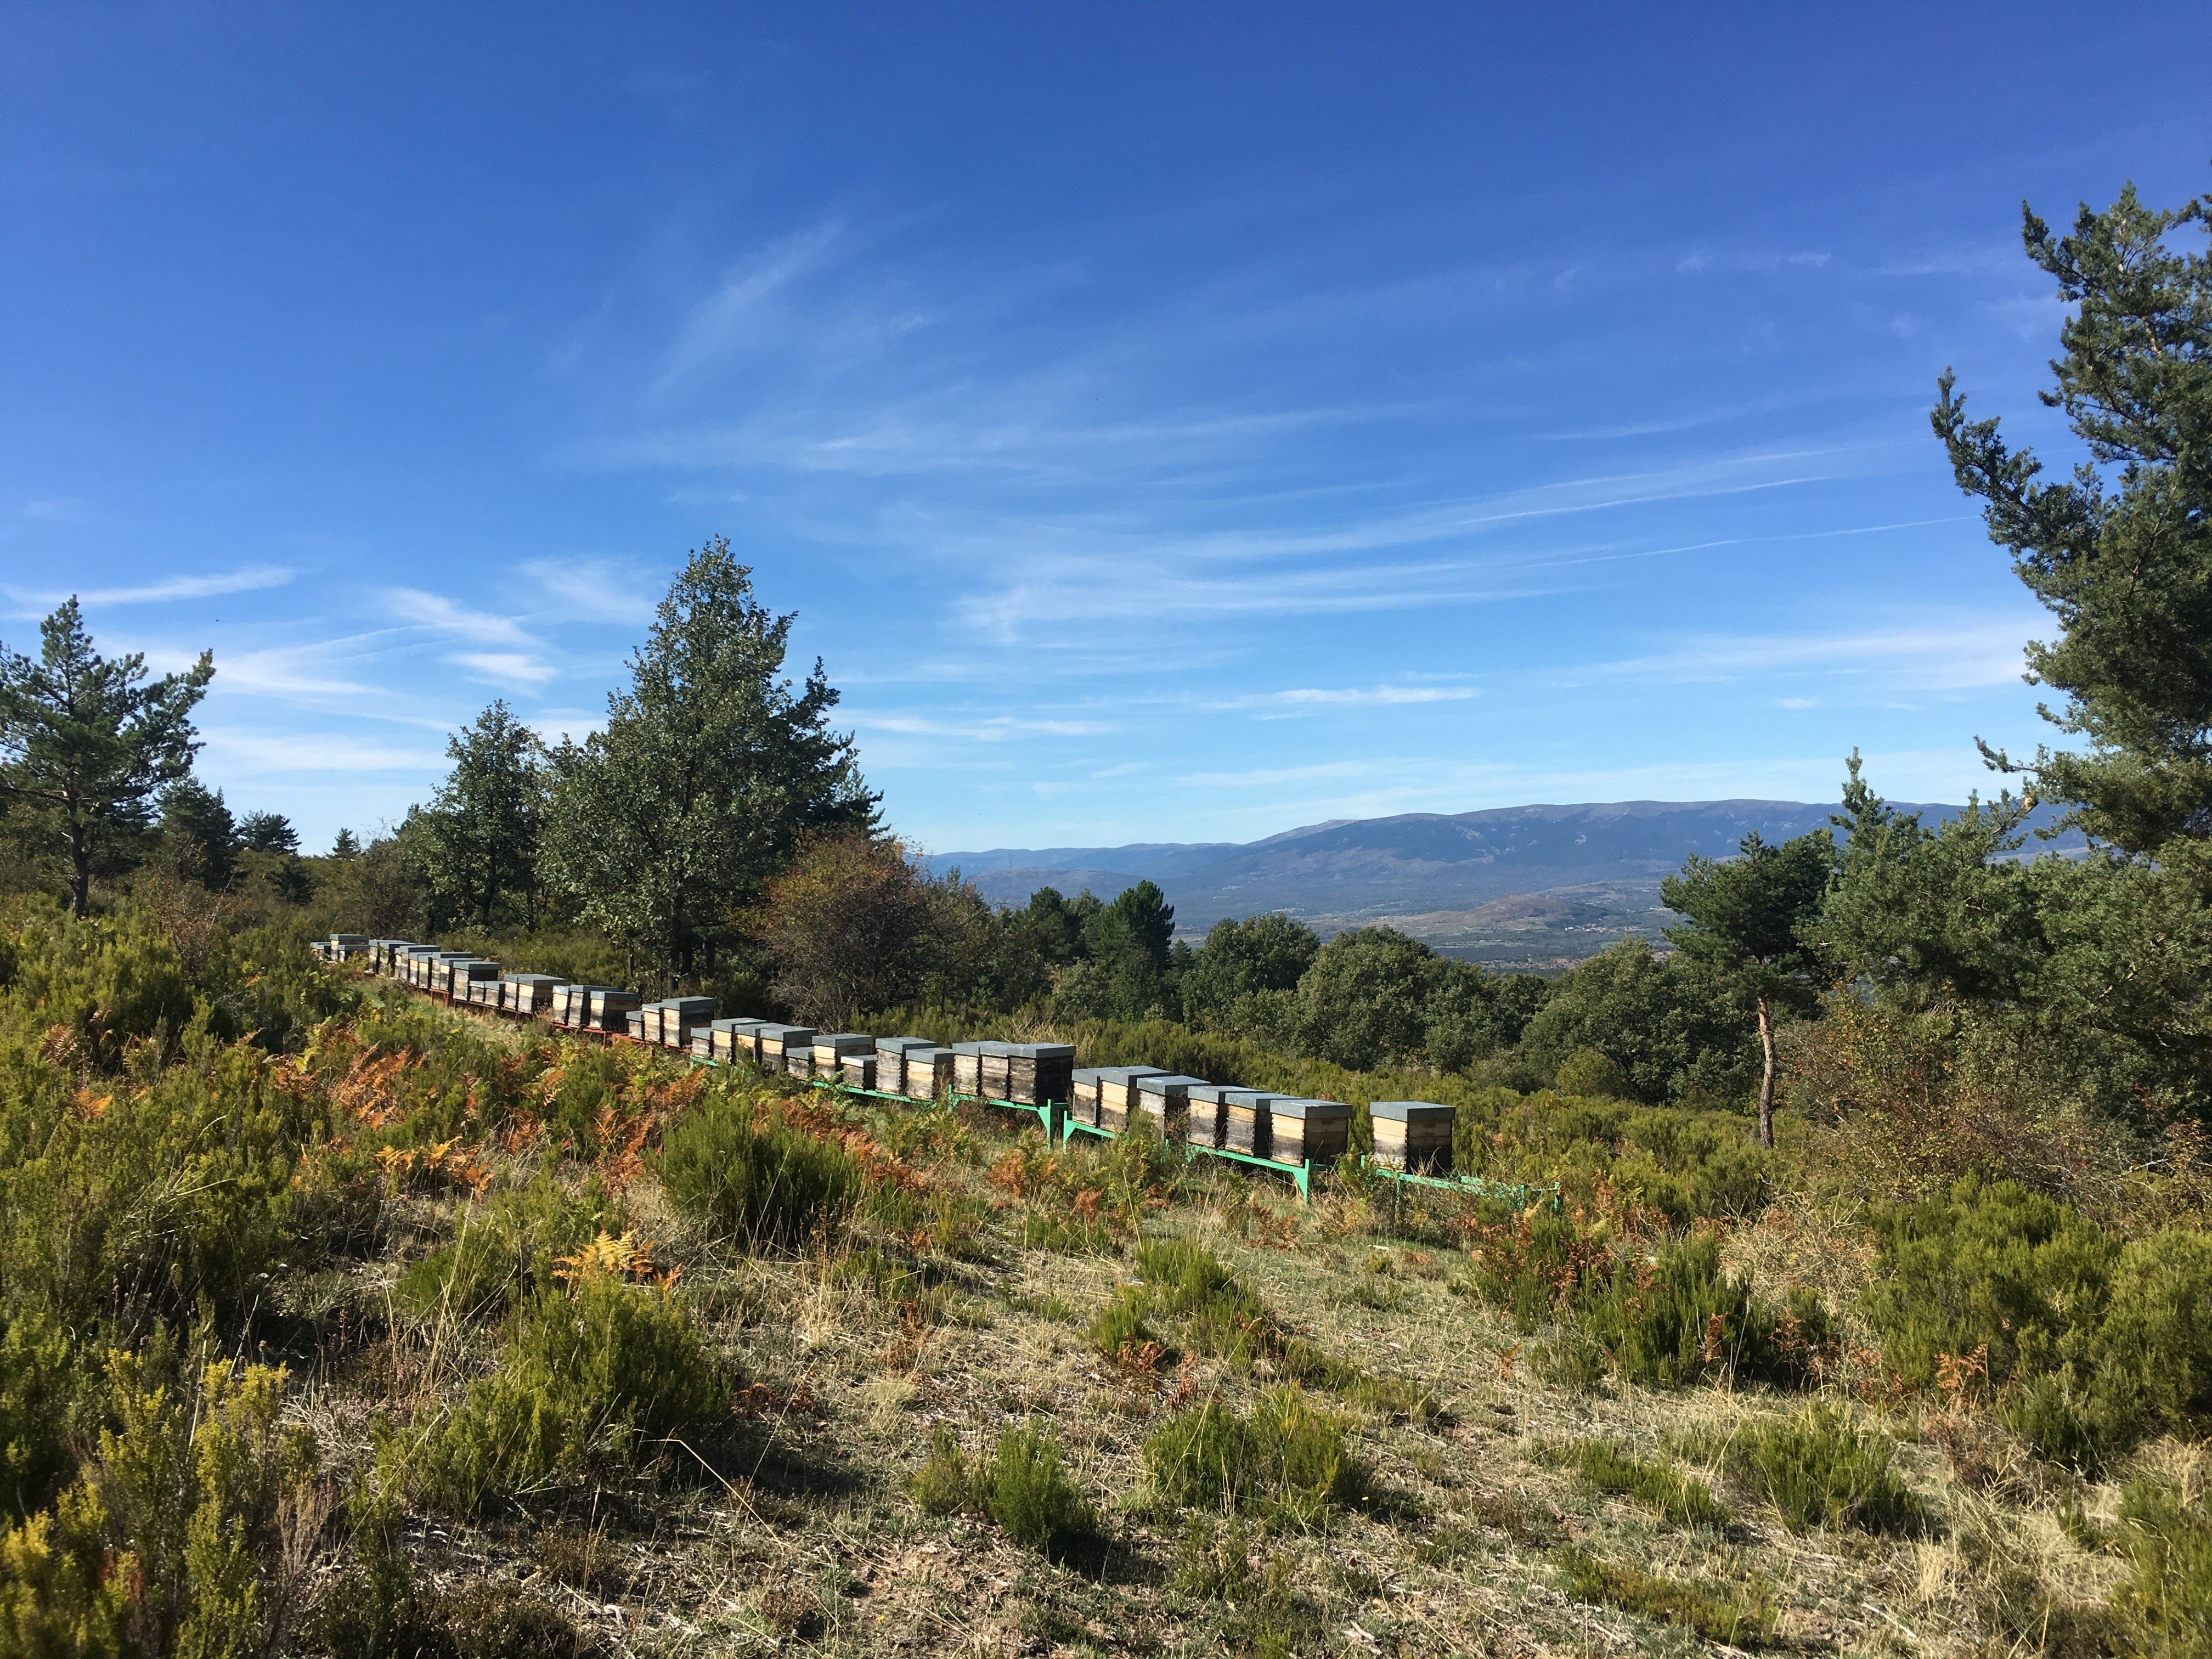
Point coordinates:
[[1167, 422]]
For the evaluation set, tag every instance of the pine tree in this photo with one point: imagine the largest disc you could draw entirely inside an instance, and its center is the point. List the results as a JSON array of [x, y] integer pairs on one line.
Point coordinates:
[[478, 841], [2121, 553], [1746, 917], [87, 743], [711, 768]]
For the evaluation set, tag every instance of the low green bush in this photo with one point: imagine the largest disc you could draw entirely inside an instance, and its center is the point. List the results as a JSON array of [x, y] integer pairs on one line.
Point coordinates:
[[504, 1252], [1744, 1616], [1609, 1467], [2164, 1610], [172, 1540], [1819, 1470], [1666, 1321], [1022, 1484], [754, 1180], [39, 1386], [1286, 1461], [2090, 1344], [592, 1376]]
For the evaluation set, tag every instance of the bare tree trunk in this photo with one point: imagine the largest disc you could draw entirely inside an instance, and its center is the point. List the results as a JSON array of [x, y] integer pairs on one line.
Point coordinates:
[[1767, 1080], [80, 871]]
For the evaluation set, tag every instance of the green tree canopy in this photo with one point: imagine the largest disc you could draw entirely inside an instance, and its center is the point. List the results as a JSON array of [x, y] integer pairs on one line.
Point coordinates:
[[268, 832], [1675, 1037], [1266, 952], [199, 841], [2121, 551], [1746, 916], [87, 743], [712, 767], [477, 845]]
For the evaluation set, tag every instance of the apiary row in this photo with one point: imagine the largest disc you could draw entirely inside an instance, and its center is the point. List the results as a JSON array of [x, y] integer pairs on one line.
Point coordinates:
[[1409, 1135]]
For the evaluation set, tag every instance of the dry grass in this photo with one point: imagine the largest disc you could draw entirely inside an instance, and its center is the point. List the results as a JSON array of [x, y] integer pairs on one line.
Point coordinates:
[[808, 1539]]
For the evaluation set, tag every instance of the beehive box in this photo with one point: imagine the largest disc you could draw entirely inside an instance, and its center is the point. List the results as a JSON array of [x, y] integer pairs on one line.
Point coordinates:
[[968, 1067], [794, 1050], [649, 1022], [858, 1070], [1246, 1122], [1083, 1095], [1040, 1073], [1164, 1097], [633, 1024], [682, 1016], [610, 1010], [830, 1049], [890, 1062], [1307, 1129], [1203, 1123], [531, 994], [1412, 1135], [572, 1004], [733, 1040], [1117, 1093], [701, 1046], [925, 1073], [994, 1081]]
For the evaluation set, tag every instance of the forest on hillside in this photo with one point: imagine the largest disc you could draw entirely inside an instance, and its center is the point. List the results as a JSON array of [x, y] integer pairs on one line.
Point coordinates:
[[235, 1183]]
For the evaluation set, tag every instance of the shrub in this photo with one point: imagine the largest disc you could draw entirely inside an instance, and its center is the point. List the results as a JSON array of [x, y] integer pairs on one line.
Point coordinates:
[[38, 1385], [504, 1252], [1989, 1266], [1589, 1072], [1022, 1485], [174, 1540], [765, 1183], [1286, 1459], [2164, 1610], [1817, 1470], [1744, 1618], [2091, 1343], [588, 1378], [1607, 1465]]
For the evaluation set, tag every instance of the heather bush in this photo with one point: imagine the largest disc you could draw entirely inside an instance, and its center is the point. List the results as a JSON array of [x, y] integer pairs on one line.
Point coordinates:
[[1287, 1461], [589, 1377], [1610, 1467], [2164, 1610], [504, 1251], [174, 1540], [1820, 1470], [1022, 1484], [754, 1179]]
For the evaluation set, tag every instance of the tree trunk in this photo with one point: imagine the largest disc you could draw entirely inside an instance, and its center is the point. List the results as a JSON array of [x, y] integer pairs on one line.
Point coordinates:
[[80, 871], [1767, 1080]]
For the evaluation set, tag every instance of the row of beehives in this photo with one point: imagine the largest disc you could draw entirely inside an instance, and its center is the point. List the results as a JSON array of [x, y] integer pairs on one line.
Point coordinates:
[[1408, 1134]]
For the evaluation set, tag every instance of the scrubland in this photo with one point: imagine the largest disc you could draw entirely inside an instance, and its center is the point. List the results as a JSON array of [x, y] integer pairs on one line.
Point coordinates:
[[338, 1323]]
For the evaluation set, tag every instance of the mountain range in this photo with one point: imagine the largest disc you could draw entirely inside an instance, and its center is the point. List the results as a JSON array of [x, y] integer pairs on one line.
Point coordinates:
[[1529, 887]]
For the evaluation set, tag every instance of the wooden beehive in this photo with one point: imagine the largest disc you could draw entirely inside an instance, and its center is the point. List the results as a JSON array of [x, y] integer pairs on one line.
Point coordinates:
[[1165, 1098], [1083, 1096], [925, 1073], [1412, 1135], [993, 1070], [531, 994], [968, 1068], [830, 1049], [795, 1055], [1203, 1123], [731, 1040], [1246, 1122], [680, 1017], [1040, 1073], [1117, 1093], [859, 1070], [1304, 1131], [701, 1046]]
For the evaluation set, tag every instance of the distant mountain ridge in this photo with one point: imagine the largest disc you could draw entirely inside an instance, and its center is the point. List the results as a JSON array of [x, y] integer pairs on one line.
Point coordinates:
[[1443, 876]]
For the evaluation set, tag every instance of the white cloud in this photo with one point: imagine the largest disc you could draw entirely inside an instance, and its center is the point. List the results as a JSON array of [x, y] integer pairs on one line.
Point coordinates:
[[597, 590], [505, 667], [1968, 655], [176, 587], [731, 317], [240, 753], [1302, 700], [435, 610]]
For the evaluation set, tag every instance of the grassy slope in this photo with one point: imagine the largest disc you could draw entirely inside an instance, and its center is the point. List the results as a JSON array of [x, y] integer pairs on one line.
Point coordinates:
[[814, 1542]]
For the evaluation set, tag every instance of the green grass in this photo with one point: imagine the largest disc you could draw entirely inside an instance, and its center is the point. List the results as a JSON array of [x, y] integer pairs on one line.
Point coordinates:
[[1286, 1461], [1607, 1465], [1743, 1618], [1819, 1470]]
